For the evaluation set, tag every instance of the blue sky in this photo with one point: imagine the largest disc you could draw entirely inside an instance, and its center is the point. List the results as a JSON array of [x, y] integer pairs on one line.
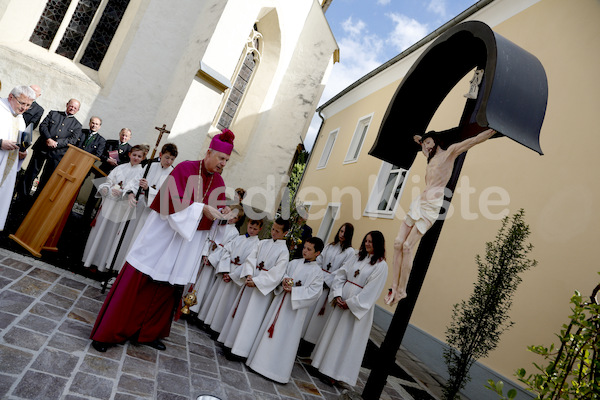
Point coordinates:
[[370, 32]]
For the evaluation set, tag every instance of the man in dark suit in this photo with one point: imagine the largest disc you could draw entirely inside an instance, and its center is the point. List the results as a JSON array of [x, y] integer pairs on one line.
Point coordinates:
[[34, 114], [116, 152], [90, 140], [57, 131]]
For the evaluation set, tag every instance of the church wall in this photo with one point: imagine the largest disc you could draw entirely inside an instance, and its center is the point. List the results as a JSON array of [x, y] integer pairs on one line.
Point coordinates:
[[158, 69], [499, 177], [148, 77], [292, 92]]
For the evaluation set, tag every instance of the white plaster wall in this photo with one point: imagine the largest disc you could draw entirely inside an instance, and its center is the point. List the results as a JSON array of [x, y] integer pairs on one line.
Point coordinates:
[[193, 120], [148, 77], [282, 126]]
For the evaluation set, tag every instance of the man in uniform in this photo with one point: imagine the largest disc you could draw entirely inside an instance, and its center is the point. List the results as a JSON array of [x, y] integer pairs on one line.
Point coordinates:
[[57, 131]]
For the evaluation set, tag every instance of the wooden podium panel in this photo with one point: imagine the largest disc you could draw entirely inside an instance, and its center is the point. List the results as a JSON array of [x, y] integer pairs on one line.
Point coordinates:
[[42, 225]]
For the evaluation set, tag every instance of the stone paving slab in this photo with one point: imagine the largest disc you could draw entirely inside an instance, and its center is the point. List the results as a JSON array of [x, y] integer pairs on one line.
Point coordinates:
[[46, 317]]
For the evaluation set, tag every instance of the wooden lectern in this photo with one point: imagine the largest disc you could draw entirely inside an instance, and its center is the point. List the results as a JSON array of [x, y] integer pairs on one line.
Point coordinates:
[[43, 224]]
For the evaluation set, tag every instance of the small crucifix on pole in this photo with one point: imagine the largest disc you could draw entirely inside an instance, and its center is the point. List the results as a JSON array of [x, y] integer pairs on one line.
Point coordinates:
[[162, 130]]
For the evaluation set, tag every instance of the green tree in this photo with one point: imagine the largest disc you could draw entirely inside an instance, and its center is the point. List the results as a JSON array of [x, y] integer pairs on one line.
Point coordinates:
[[296, 176], [478, 323]]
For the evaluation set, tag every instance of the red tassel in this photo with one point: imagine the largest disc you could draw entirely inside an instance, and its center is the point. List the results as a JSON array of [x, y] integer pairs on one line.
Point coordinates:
[[272, 327], [238, 303]]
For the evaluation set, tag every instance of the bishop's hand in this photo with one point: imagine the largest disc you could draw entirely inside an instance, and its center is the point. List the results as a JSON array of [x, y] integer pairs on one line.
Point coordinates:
[[211, 212]]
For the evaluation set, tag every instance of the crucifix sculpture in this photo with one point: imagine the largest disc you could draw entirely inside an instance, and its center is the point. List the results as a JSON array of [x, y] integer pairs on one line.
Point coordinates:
[[510, 101]]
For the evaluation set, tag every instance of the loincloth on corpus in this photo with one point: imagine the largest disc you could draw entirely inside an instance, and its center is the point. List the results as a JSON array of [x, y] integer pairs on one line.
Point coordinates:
[[424, 212]]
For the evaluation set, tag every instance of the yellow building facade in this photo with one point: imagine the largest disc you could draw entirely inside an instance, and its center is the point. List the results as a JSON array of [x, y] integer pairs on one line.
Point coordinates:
[[558, 190]]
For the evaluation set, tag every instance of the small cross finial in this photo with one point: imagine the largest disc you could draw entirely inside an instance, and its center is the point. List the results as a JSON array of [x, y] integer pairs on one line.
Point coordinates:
[[162, 129]]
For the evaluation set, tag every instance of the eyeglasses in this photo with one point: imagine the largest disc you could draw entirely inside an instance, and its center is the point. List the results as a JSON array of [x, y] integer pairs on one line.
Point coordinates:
[[23, 104]]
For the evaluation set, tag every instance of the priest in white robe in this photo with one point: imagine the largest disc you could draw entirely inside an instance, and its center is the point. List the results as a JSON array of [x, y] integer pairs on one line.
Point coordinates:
[[274, 350], [11, 125], [264, 270], [357, 285]]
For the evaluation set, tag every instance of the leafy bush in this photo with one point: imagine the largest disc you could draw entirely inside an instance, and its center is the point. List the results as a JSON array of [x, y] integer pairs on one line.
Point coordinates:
[[574, 370]]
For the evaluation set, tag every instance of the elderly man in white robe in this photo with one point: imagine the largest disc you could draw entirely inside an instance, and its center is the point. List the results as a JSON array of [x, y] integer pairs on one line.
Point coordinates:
[[11, 125], [264, 270], [274, 350]]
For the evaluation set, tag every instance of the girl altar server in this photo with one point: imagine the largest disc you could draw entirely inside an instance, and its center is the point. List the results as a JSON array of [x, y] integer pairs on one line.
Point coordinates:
[[356, 287]]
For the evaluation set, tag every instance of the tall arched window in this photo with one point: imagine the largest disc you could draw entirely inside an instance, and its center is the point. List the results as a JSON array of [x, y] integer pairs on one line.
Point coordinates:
[[87, 34], [248, 63]]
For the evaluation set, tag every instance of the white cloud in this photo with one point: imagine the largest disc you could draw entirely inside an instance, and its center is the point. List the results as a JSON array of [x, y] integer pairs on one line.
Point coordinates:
[[383, 2], [360, 53], [437, 7], [407, 31], [353, 28]]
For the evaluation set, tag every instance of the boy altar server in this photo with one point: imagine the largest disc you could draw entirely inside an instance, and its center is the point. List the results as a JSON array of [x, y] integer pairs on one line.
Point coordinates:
[[229, 281], [264, 270], [219, 236], [115, 209], [333, 256], [157, 174], [274, 350]]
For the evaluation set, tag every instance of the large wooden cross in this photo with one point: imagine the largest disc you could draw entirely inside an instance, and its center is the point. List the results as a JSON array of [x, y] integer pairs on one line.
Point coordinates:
[[515, 108]]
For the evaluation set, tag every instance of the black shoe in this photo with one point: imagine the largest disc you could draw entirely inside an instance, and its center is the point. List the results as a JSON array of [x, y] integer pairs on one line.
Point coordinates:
[[100, 347], [157, 344]]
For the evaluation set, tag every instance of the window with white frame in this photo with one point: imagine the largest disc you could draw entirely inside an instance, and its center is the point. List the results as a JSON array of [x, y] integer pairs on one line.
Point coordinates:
[[328, 220], [327, 149], [387, 190], [358, 139], [80, 30]]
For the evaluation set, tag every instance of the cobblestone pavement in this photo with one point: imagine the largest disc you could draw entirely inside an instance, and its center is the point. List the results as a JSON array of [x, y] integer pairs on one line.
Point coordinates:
[[46, 316]]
